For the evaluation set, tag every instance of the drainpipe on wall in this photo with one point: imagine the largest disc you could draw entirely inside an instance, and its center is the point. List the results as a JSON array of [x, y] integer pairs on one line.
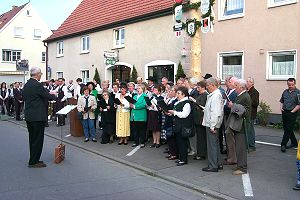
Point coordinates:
[[45, 45]]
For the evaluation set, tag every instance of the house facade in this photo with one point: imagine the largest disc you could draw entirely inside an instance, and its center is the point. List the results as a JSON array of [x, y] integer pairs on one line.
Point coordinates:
[[257, 38], [22, 32]]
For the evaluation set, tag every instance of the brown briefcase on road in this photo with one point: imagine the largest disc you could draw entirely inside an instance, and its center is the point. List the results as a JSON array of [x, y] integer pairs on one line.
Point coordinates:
[[59, 153]]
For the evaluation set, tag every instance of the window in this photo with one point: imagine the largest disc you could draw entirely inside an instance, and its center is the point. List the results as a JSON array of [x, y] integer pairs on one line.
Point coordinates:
[[119, 38], [231, 64], [281, 65], [59, 75], [37, 34], [43, 56], [18, 32], [85, 44], [229, 9], [60, 49], [274, 3], [11, 55], [85, 75], [28, 14]]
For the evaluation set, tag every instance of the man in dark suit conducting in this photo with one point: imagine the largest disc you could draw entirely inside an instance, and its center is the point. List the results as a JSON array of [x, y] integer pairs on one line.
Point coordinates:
[[35, 97]]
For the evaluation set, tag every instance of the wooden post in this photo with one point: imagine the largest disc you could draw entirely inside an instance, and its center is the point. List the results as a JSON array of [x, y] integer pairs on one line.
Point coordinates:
[[196, 46]]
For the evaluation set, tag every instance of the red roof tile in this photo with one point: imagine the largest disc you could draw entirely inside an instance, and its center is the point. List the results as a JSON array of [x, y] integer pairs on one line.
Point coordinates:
[[93, 14], [6, 17]]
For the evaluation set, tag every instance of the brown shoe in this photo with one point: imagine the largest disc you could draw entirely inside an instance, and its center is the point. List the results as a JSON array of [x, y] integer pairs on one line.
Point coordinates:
[[238, 172], [37, 165]]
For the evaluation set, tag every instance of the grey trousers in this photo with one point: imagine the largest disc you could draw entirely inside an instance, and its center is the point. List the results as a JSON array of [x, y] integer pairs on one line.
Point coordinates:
[[241, 151], [213, 148], [251, 134], [230, 142]]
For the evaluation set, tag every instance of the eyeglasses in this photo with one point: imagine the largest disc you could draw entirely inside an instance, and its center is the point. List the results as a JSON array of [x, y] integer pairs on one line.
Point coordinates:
[[104, 94]]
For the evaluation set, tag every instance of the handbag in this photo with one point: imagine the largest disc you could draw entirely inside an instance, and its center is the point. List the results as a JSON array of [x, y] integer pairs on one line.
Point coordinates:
[[187, 132], [59, 153], [79, 115]]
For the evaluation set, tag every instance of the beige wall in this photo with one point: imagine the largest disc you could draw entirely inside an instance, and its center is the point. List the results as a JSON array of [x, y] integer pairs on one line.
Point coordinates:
[[145, 42], [269, 29]]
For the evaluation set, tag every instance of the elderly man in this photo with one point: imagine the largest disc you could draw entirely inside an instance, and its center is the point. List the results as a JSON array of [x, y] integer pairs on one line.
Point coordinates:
[[237, 123], [212, 120], [35, 97], [254, 95]]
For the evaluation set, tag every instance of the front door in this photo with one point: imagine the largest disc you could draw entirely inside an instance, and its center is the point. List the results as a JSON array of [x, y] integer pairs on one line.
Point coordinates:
[[121, 72]]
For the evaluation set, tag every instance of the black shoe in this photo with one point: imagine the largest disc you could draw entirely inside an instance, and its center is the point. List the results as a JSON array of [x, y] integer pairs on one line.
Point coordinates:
[[283, 149], [181, 163], [153, 145], [86, 139], [94, 140], [199, 158], [119, 143], [224, 152], [291, 146], [134, 145], [166, 151], [220, 167], [157, 145], [177, 161], [297, 187], [209, 169], [37, 165], [143, 145]]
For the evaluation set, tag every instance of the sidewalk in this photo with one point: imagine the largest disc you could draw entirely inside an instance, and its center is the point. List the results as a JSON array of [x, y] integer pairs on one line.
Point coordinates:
[[272, 173]]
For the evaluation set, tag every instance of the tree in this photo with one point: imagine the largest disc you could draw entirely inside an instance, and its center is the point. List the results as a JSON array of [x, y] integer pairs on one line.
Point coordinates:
[[180, 73], [134, 74], [97, 77]]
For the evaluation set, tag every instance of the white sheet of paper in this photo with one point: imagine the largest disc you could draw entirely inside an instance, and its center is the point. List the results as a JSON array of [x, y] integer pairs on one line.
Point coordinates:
[[65, 110]]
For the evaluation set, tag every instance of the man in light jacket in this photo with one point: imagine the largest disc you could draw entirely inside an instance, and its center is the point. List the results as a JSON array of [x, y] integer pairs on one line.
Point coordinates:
[[213, 117]]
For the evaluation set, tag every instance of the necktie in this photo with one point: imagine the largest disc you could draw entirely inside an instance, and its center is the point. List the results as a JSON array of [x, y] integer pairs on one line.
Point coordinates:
[[86, 102]]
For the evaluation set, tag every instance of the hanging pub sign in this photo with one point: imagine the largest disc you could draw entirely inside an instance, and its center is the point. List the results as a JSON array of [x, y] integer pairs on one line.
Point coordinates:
[[178, 34], [205, 25], [110, 58], [191, 27], [177, 27], [205, 5], [178, 13], [22, 65]]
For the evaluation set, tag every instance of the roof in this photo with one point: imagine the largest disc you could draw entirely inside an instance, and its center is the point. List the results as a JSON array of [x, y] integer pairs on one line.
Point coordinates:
[[6, 17], [95, 15]]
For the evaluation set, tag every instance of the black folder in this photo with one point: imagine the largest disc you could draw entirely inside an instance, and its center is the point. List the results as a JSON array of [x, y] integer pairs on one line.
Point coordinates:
[[130, 99], [163, 105], [103, 104], [148, 101], [117, 101]]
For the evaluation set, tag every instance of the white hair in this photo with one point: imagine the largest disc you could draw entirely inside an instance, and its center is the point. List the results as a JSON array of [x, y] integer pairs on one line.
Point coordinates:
[[242, 83], [251, 80], [34, 71], [194, 80], [213, 81]]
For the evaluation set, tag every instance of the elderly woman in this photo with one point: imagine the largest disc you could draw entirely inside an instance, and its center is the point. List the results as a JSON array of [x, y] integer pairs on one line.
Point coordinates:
[[139, 116], [108, 116], [182, 120], [87, 105], [123, 116]]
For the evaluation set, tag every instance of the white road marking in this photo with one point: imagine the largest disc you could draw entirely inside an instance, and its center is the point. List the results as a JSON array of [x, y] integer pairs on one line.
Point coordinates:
[[267, 143], [247, 185], [68, 135], [133, 151]]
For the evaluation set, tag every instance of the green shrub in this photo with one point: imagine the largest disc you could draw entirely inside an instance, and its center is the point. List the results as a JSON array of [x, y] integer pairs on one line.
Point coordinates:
[[179, 73], [263, 113], [134, 75], [97, 76]]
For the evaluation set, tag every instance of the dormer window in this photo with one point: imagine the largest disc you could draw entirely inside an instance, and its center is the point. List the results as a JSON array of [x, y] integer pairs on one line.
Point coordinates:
[[28, 13]]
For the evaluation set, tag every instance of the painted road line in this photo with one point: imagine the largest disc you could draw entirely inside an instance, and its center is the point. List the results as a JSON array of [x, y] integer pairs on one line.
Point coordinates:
[[68, 135], [133, 151], [247, 185], [267, 143]]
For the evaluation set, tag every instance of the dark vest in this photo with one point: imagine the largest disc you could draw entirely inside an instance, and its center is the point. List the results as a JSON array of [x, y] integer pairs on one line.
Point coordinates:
[[178, 123], [61, 93], [3, 93]]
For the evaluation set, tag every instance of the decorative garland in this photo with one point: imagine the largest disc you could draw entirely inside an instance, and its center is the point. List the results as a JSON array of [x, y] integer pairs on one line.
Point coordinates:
[[190, 6]]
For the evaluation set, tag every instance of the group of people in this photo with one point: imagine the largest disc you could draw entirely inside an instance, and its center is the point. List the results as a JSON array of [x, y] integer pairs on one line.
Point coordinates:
[[11, 99], [197, 118]]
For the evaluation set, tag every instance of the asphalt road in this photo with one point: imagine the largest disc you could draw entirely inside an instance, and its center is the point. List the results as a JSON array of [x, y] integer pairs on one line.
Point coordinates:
[[83, 175]]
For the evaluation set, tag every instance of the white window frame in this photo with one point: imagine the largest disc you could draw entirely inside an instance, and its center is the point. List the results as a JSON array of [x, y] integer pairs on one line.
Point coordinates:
[[118, 33], [269, 59], [37, 34], [227, 54], [18, 57], [59, 74], [44, 56], [60, 49], [272, 3], [18, 32], [221, 10], [85, 75], [85, 44]]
